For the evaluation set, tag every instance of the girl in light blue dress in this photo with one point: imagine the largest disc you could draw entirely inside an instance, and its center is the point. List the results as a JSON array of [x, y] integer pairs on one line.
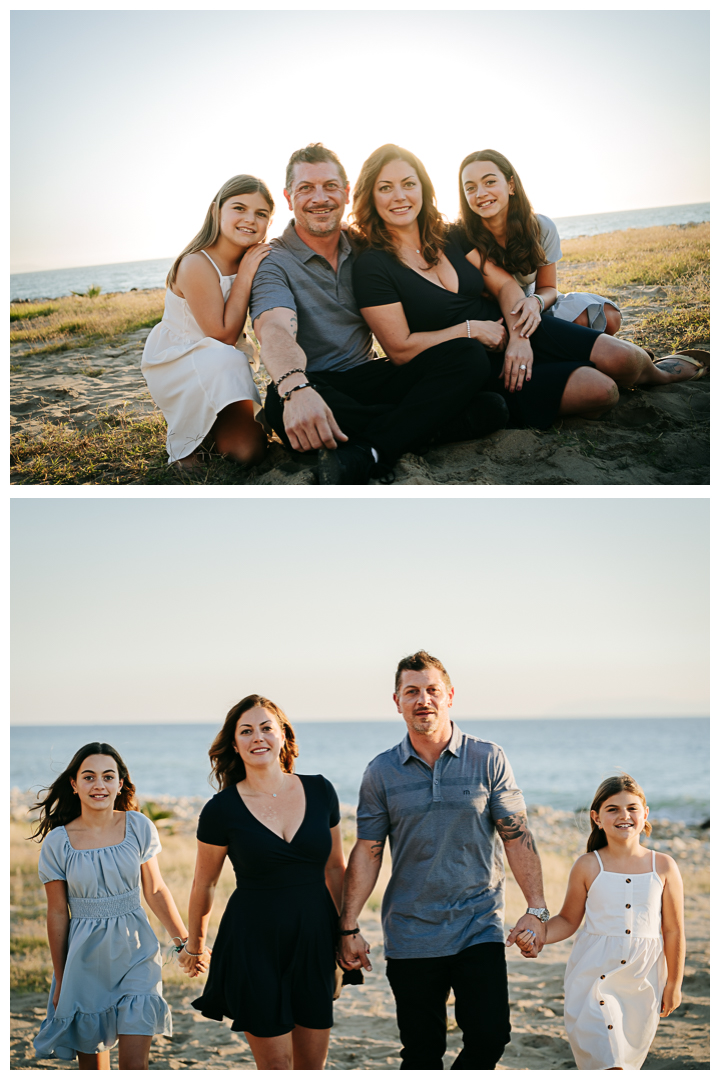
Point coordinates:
[[97, 853]]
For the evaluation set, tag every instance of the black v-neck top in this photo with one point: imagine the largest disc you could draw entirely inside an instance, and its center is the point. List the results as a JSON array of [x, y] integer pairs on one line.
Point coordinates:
[[380, 279], [261, 859]]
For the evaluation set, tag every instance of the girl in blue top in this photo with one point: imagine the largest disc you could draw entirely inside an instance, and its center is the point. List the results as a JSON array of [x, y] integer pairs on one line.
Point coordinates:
[[97, 853]]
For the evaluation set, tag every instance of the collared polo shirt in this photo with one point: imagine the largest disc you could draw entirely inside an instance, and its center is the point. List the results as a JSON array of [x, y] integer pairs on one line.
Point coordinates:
[[331, 331], [447, 887]]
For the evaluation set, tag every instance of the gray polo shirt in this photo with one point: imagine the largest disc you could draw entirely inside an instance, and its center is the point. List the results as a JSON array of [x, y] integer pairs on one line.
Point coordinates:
[[447, 888], [331, 331]]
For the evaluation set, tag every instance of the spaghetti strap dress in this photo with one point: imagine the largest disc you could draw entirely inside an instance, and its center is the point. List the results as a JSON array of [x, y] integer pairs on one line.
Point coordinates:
[[273, 960], [112, 979], [616, 973], [193, 377]]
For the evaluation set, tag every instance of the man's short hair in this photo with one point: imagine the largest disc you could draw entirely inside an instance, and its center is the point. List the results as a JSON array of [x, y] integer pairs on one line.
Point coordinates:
[[312, 154], [420, 661]]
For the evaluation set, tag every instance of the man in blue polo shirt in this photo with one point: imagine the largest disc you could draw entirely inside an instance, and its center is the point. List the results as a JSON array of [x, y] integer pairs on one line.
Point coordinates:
[[449, 804], [330, 391]]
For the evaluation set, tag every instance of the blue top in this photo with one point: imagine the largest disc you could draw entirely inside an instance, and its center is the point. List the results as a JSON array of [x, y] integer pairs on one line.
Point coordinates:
[[447, 888], [331, 332]]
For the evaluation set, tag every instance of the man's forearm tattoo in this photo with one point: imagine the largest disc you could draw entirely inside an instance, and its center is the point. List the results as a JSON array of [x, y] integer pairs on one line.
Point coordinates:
[[293, 326], [376, 849], [515, 827]]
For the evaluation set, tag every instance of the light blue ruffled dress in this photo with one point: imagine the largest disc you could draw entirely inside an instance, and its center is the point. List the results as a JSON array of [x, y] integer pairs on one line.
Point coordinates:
[[112, 980]]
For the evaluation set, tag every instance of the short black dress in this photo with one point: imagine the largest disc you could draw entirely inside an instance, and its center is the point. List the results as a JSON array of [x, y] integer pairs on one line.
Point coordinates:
[[273, 961], [558, 347]]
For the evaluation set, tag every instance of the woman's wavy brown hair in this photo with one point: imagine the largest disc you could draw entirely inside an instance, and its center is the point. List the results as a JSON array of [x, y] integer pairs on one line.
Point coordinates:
[[367, 228], [243, 184], [613, 786], [523, 252], [227, 765], [61, 805]]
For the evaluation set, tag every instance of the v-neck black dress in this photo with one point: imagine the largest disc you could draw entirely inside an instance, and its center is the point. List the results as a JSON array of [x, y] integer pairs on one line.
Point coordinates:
[[273, 961], [558, 347]]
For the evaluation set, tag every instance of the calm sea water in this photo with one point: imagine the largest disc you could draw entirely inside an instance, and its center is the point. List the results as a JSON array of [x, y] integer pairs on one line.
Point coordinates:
[[151, 274], [557, 763]]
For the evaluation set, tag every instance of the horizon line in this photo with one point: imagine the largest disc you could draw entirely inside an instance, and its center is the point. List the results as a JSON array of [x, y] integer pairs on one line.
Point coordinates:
[[374, 720]]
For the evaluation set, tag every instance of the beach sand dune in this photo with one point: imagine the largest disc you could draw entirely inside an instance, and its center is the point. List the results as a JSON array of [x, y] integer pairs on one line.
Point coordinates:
[[365, 1034]]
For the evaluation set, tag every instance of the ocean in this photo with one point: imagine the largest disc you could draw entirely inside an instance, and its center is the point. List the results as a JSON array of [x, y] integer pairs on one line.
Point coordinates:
[[557, 763], [151, 273]]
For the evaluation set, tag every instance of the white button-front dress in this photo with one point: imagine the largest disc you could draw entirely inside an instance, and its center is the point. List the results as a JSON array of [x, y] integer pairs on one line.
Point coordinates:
[[616, 973], [192, 377]]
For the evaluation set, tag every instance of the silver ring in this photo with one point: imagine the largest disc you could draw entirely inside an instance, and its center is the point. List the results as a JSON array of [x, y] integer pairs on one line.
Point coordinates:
[[523, 368]]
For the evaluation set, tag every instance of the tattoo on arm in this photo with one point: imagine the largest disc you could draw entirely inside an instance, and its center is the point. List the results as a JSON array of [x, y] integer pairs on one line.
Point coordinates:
[[515, 827], [293, 327], [376, 849]]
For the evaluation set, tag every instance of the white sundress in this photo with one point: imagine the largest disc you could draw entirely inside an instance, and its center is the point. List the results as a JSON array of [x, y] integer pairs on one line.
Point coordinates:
[[616, 973], [112, 979], [192, 377]]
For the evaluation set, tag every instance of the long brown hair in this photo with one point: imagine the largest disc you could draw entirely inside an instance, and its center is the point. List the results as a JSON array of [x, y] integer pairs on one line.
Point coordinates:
[[243, 184], [368, 229], [227, 765], [523, 252], [61, 805], [613, 786]]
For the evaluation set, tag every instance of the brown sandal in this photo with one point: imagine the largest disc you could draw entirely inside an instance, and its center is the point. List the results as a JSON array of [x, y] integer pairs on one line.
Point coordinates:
[[699, 358]]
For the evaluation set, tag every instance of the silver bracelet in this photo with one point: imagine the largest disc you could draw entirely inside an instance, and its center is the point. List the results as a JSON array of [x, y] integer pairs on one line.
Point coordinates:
[[468, 324], [196, 954], [542, 302]]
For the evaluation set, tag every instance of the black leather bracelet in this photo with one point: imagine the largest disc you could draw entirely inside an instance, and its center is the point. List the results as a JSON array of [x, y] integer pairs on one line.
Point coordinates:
[[349, 933], [300, 386]]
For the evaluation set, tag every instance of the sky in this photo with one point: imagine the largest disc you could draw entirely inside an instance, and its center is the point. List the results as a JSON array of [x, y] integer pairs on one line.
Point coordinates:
[[171, 610], [125, 123]]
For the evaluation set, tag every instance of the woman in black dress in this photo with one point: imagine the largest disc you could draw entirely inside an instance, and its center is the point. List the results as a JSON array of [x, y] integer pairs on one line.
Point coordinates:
[[417, 291], [273, 964]]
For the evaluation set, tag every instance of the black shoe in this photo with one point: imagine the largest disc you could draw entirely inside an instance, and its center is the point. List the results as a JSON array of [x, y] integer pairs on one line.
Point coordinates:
[[488, 413], [349, 463]]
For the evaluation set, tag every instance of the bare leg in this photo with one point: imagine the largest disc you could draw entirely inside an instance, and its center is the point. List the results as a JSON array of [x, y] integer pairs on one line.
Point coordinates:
[[588, 393], [629, 365], [275, 1053], [133, 1051], [94, 1061], [612, 315], [237, 435], [310, 1047]]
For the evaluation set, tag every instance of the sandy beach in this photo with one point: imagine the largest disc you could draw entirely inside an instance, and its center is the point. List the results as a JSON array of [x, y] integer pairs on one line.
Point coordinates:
[[365, 1033], [65, 403]]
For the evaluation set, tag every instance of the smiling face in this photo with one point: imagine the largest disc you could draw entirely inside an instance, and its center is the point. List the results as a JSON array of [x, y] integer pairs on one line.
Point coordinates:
[[621, 816], [244, 219], [98, 782], [258, 737], [397, 194], [424, 699], [486, 189], [318, 197]]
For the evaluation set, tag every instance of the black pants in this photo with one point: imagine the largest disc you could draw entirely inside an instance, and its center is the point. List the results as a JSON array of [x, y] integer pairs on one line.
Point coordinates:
[[396, 407], [478, 976]]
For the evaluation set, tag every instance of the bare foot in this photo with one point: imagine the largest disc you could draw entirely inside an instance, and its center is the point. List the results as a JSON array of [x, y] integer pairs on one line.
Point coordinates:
[[679, 369], [188, 464]]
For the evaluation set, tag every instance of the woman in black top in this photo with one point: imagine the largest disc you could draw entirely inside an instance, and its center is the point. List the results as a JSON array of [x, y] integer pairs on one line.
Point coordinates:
[[273, 964], [417, 291]]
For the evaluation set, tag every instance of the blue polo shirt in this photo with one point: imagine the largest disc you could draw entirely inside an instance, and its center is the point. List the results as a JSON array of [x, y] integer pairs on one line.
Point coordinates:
[[447, 888]]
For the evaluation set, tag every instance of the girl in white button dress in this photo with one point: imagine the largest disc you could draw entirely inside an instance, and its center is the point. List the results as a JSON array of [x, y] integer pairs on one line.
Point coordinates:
[[98, 854], [626, 965], [195, 369]]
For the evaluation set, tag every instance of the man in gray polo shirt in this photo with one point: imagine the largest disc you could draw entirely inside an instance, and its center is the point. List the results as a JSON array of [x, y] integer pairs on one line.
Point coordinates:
[[449, 804], [329, 391]]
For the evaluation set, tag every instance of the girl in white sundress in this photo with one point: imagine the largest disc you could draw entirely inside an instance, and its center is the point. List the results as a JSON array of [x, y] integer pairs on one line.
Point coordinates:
[[97, 853], [195, 370], [626, 966]]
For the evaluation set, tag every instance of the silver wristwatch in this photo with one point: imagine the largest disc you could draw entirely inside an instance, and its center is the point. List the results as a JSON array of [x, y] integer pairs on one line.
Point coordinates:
[[540, 913]]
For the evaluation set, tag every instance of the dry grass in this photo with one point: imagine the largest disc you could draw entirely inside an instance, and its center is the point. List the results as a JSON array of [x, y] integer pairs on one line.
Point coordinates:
[[76, 321], [660, 255]]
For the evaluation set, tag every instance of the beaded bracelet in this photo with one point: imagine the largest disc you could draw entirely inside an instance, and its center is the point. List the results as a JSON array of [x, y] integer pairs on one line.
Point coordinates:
[[300, 386], [542, 302], [468, 324], [348, 933], [293, 371]]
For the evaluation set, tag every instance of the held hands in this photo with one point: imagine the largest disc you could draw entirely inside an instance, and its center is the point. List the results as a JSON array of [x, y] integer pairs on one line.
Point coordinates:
[[194, 965], [492, 335], [309, 423], [353, 952], [518, 364], [529, 936], [529, 312]]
